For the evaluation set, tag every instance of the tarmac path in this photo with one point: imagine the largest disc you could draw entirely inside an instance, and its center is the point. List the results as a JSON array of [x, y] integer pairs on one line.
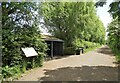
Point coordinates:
[[97, 65]]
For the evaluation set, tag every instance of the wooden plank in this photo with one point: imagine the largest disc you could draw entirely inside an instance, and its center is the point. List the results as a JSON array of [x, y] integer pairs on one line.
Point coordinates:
[[52, 49]]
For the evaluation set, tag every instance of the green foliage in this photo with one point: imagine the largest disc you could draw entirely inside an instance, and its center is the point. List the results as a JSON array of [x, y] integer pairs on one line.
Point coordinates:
[[114, 29], [68, 21], [78, 43], [19, 30], [86, 44], [100, 3], [114, 37], [69, 50], [1, 76], [13, 72], [92, 48], [114, 9]]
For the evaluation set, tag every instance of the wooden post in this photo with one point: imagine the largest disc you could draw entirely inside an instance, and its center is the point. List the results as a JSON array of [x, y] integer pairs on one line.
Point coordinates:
[[24, 65], [62, 48], [33, 62], [51, 49]]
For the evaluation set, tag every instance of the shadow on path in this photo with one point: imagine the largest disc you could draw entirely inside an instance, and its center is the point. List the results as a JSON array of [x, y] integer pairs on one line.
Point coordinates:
[[105, 50], [57, 57], [85, 73]]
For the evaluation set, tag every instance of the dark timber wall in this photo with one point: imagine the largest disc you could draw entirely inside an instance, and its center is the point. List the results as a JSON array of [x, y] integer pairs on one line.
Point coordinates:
[[55, 48]]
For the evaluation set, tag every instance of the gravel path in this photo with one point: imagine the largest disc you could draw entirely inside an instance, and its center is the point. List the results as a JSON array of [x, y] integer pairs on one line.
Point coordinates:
[[96, 65]]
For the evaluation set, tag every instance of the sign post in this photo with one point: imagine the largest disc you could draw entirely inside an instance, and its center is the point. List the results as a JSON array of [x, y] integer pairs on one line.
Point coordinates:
[[30, 52]]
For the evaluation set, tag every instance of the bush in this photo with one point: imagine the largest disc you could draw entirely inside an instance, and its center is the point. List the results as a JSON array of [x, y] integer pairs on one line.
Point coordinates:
[[13, 55], [114, 44], [78, 43], [86, 44], [69, 51], [1, 76], [81, 43], [17, 35], [13, 72]]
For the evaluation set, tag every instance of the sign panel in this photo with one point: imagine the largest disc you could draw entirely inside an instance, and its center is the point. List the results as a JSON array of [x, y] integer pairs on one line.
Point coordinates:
[[29, 52]]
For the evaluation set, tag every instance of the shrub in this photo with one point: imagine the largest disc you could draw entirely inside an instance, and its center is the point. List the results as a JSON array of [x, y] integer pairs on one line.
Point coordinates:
[[86, 44], [19, 34], [69, 51], [78, 43], [13, 55], [114, 44], [14, 72]]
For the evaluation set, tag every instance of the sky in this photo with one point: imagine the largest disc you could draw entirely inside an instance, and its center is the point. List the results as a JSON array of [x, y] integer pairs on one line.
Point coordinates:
[[103, 14]]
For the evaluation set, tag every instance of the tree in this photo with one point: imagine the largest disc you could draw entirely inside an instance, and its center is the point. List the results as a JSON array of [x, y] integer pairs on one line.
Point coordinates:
[[20, 29], [114, 29], [114, 10], [68, 21], [114, 36], [59, 20]]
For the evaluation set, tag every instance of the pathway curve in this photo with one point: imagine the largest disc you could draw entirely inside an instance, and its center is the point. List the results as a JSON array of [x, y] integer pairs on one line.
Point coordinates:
[[96, 65]]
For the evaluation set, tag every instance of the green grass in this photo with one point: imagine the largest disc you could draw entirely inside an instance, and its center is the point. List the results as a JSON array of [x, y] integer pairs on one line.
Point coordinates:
[[116, 53], [118, 57], [91, 49]]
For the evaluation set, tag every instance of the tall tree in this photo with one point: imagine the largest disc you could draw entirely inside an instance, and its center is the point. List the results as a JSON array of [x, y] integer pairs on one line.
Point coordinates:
[[70, 20], [19, 29], [114, 29]]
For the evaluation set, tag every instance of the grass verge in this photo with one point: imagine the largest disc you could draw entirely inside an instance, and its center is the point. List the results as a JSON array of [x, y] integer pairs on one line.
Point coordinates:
[[91, 49]]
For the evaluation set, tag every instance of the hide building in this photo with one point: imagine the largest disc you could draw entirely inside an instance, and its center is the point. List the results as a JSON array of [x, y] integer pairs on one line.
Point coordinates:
[[55, 45]]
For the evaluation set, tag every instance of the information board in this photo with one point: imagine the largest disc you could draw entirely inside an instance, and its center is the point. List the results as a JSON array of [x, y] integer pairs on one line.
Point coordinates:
[[29, 52]]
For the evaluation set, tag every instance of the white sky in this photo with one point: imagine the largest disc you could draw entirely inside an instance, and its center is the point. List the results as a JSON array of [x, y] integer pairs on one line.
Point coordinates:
[[103, 14], [44, 31]]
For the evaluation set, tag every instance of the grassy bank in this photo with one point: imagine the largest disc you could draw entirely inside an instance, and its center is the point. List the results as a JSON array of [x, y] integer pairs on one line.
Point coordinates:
[[91, 49], [88, 46]]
